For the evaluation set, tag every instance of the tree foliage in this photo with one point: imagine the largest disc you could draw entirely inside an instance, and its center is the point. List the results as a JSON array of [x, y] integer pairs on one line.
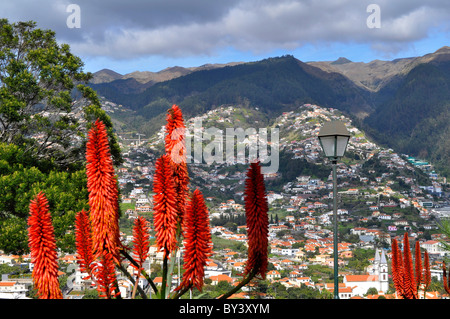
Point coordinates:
[[38, 80], [20, 181], [46, 109]]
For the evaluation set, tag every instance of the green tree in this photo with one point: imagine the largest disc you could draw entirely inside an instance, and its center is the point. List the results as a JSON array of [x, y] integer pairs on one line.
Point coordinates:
[[445, 228], [46, 109], [66, 192], [13, 235], [38, 81], [372, 291]]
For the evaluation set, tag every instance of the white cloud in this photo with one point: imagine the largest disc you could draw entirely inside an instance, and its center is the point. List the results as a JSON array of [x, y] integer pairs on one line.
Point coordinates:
[[175, 28]]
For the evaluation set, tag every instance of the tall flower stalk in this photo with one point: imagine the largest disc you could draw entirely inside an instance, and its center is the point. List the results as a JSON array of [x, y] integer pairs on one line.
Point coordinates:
[[427, 273], [197, 243], [256, 208], [397, 267], [175, 147], [141, 247], [165, 213], [83, 242], [104, 210], [409, 284], [446, 279], [42, 245], [105, 274], [164, 209], [103, 194], [418, 266]]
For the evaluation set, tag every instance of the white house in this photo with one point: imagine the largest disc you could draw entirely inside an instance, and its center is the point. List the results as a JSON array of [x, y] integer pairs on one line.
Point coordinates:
[[434, 247], [12, 287], [5, 259]]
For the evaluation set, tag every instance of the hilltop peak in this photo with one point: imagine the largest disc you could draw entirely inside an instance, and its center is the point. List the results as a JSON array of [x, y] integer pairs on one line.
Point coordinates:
[[444, 49], [341, 60], [105, 75]]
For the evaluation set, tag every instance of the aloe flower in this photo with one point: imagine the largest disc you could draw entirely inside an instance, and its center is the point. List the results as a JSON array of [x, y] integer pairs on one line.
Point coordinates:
[[427, 272], [104, 210], [140, 240], [164, 206], [418, 265], [402, 270], [105, 275], [103, 193], [175, 147], [256, 208], [409, 285], [446, 283], [42, 246], [83, 241], [175, 135], [197, 244], [397, 267]]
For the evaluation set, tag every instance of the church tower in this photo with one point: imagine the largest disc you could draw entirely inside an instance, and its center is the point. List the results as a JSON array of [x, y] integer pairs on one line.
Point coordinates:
[[380, 269], [376, 263], [383, 272]]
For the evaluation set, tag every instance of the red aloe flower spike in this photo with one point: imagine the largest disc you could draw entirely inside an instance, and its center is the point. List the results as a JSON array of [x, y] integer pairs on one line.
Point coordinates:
[[256, 208], [83, 238], [397, 269], [175, 140], [164, 209], [104, 272], [418, 265], [409, 285], [427, 272], [197, 244], [141, 246], [141, 241], [103, 193], [446, 284], [42, 244], [181, 181], [175, 146]]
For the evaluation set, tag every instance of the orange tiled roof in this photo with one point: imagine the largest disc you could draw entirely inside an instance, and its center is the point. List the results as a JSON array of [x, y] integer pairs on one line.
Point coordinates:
[[360, 278], [7, 283]]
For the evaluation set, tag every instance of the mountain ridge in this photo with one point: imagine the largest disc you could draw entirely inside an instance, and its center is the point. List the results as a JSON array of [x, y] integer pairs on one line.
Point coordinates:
[[108, 75], [394, 101]]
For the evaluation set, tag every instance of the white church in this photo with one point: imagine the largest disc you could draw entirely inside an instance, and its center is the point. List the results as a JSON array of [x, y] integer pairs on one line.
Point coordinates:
[[376, 277]]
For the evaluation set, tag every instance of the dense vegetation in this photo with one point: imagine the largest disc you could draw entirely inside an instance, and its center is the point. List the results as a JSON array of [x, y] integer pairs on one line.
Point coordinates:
[[43, 132], [413, 114]]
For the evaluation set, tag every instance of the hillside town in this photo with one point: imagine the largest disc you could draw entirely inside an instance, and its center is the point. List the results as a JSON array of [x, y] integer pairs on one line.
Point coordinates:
[[381, 196]]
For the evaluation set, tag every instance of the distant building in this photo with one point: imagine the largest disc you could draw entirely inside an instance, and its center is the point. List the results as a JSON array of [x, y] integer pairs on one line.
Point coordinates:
[[12, 288], [434, 247], [377, 277]]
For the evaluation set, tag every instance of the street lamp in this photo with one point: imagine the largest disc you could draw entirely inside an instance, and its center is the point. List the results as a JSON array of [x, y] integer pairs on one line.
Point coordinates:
[[333, 137]]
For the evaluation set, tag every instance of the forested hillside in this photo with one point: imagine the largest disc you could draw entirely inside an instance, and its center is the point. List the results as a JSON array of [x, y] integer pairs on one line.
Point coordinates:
[[407, 110]]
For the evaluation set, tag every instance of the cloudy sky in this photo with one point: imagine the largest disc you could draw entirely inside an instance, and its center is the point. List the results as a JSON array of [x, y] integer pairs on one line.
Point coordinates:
[[150, 35]]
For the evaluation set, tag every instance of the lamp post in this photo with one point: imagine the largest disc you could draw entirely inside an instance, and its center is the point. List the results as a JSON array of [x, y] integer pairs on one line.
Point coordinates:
[[333, 137]]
